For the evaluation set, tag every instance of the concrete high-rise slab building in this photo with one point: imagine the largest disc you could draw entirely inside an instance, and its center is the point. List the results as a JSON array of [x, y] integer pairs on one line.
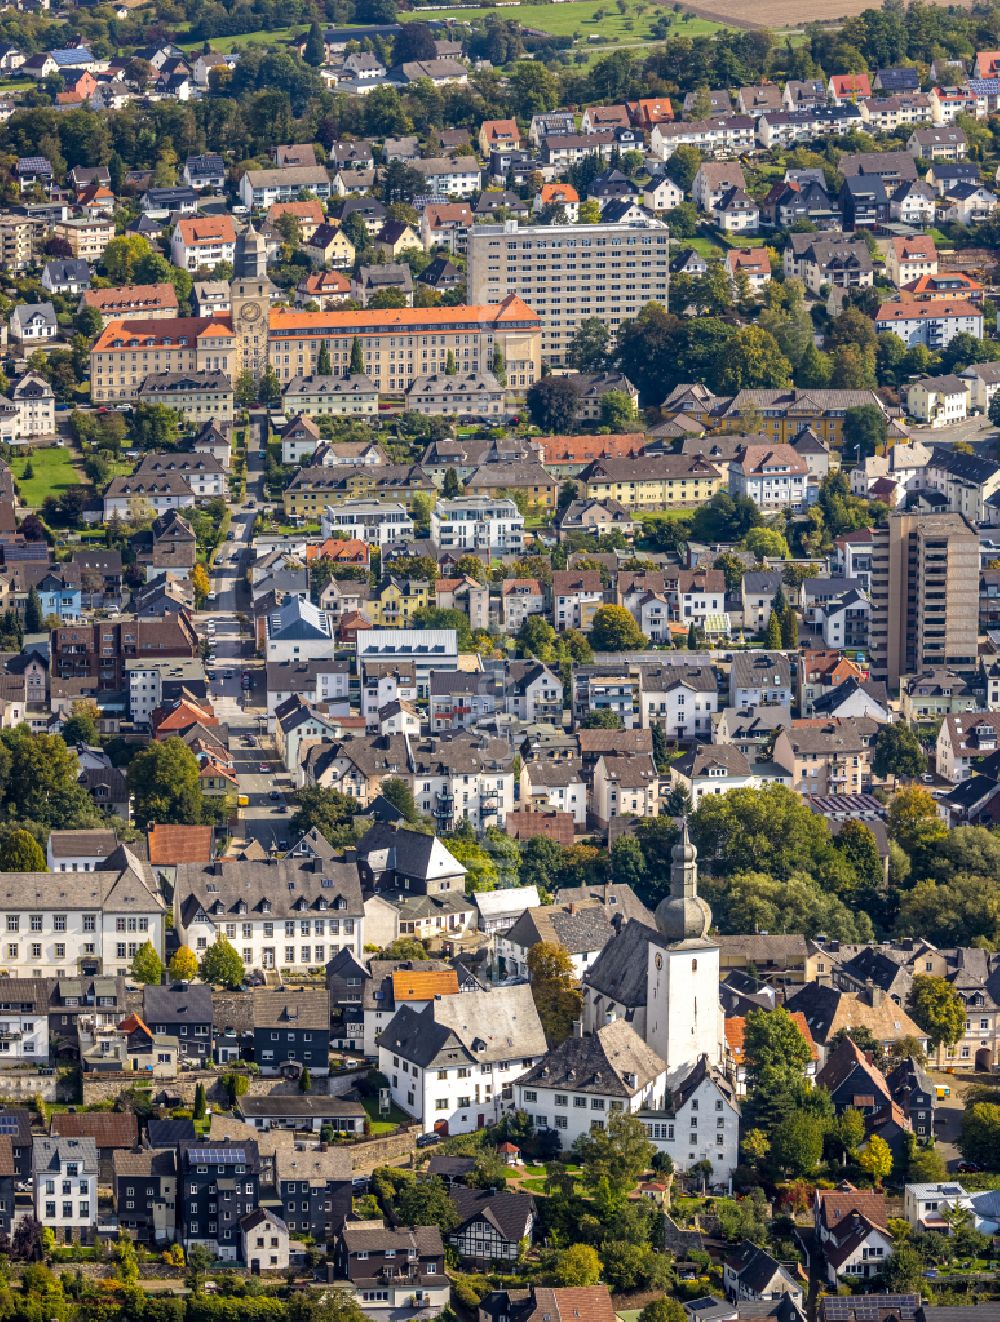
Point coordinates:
[[566, 273], [925, 595]]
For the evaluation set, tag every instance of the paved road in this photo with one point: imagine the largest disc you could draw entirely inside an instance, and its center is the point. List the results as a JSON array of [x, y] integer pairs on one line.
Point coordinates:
[[257, 769]]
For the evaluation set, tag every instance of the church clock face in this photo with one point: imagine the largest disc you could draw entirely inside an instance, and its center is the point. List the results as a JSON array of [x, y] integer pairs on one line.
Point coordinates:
[[250, 312]]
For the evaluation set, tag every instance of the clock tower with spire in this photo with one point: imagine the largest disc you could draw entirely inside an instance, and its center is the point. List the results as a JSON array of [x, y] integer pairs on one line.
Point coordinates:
[[250, 300]]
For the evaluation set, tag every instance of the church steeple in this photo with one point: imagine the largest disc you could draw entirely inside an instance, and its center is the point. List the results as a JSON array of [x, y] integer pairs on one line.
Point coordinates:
[[684, 915], [250, 261]]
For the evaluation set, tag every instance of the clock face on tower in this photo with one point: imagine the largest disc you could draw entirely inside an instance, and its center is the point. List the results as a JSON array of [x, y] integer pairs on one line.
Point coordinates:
[[250, 312]]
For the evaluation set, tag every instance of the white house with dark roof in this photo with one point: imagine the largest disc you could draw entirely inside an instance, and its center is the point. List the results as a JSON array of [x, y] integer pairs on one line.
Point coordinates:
[[585, 1079], [453, 1065], [288, 913], [58, 924]]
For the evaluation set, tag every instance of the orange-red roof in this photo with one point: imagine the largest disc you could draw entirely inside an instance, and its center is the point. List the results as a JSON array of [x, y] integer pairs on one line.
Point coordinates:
[[558, 193], [381, 321], [351, 549], [422, 985], [125, 336], [311, 210], [162, 295], [736, 1028], [583, 449], [327, 282], [908, 310], [206, 229], [170, 845]]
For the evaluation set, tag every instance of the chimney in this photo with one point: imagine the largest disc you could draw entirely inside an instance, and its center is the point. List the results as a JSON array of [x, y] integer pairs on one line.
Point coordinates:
[[873, 994]]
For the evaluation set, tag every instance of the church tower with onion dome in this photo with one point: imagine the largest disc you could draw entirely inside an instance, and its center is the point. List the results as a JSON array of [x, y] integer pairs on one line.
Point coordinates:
[[683, 1019]]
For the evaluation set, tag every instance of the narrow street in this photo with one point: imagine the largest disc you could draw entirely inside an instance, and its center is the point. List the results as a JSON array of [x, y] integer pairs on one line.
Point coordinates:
[[265, 818]]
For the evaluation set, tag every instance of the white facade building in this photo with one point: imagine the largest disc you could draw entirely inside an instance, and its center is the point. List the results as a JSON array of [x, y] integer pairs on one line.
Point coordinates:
[[65, 1180], [62, 924], [374, 521], [454, 1065], [478, 523]]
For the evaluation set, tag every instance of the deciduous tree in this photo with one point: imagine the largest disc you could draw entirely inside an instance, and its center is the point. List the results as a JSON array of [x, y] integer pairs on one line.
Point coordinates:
[[555, 990]]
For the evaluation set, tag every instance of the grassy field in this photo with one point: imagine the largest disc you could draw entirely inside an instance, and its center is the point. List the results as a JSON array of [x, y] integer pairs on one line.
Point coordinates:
[[274, 37], [52, 470], [579, 17], [568, 19]]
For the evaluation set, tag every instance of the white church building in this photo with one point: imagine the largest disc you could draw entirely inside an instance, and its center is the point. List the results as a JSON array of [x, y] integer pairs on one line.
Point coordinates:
[[651, 1040]]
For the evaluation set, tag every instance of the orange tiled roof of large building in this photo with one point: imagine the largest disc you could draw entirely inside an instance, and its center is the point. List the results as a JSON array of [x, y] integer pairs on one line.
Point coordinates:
[[577, 449], [380, 321], [170, 845], [169, 332], [207, 229], [417, 985], [128, 297]]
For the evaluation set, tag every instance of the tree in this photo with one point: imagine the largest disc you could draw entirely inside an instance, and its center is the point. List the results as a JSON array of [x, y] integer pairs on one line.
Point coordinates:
[[327, 811], [405, 947], [589, 212], [451, 486], [601, 718], [774, 632], [33, 611], [752, 359], [578, 1266], [201, 584], [357, 358], [555, 990], [938, 1009], [426, 1203], [552, 404], [20, 851], [314, 50], [875, 1159], [588, 349], [183, 965], [772, 1041], [618, 410], [127, 1259], [614, 1158], [797, 1143], [865, 431], [147, 966], [790, 629], [850, 1130], [38, 782], [904, 1272], [614, 630], [897, 752], [766, 542], [200, 1102], [399, 794], [926, 1166], [221, 964], [164, 780], [979, 1140], [305, 1080], [81, 726]]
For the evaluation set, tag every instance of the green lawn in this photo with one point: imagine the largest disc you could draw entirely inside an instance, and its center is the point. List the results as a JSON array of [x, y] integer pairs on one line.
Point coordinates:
[[53, 473], [274, 37], [578, 16], [380, 1124]]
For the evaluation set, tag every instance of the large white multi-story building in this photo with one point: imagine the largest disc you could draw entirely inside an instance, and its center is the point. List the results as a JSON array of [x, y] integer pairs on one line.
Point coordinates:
[[568, 272], [453, 1066], [67, 923], [478, 523], [292, 913], [378, 522]]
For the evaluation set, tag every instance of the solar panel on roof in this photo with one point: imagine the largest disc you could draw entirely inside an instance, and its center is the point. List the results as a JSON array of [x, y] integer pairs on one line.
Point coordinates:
[[9, 1124], [217, 1156]]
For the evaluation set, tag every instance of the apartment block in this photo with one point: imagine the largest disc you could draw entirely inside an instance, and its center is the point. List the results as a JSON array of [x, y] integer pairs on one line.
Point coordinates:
[[568, 272], [478, 523], [401, 344], [924, 593]]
